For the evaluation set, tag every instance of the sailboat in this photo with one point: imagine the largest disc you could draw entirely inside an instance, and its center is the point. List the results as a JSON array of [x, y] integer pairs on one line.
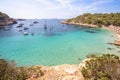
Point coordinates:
[[45, 25], [31, 23], [20, 25]]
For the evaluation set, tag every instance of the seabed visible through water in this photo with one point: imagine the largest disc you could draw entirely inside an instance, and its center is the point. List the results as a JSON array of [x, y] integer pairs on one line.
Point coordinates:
[[64, 44]]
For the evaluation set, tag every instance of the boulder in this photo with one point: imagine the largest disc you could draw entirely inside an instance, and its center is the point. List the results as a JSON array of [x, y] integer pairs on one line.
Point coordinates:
[[117, 42]]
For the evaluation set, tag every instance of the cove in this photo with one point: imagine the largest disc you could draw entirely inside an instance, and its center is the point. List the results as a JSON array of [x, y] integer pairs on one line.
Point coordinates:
[[64, 44]]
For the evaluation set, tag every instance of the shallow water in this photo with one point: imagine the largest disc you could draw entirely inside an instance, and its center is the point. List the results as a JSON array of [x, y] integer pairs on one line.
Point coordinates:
[[66, 44]]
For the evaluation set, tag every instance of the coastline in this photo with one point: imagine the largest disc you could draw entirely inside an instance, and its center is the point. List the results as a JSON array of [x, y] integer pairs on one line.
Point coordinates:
[[64, 71], [110, 27], [59, 72], [9, 21], [80, 24], [5, 20]]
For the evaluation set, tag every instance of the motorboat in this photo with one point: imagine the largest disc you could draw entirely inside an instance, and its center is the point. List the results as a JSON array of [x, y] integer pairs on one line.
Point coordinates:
[[26, 28]]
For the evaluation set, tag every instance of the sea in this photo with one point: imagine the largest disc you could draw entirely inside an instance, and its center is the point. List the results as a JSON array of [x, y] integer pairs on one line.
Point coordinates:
[[54, 45]]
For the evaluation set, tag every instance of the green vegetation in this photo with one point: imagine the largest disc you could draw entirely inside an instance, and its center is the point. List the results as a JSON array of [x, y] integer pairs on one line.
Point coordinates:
[[3, 16], [8, 71], [100, 67], [98, 19], [105, 67], [6, 20]]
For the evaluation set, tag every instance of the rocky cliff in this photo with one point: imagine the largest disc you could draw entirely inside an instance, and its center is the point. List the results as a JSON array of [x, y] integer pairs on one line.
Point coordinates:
[[6, 20]]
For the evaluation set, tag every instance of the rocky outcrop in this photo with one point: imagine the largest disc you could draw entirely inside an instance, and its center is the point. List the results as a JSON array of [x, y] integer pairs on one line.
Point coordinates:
[[6, 20], [117, 42], [60, 72], [114, 28]]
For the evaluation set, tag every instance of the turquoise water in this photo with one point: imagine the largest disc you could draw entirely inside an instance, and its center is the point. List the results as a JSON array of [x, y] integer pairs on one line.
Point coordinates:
[[53, 47]]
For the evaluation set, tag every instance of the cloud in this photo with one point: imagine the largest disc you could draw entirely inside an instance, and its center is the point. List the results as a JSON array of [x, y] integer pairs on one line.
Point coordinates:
[[45, 2], [64, 2], [55, 4], [95, 5], [51, 8], [67, 4]]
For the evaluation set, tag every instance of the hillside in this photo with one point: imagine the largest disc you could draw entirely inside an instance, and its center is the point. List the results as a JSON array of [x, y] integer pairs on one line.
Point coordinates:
[[6, 20], [97, 19], [102, 67]]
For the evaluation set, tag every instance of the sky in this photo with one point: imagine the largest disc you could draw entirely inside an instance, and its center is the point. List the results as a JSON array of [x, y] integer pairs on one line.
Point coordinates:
[[62, 9]]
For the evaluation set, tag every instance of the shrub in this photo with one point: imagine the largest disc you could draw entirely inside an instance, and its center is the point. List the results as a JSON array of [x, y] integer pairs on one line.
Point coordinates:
[[8, 71], [105, 67], [98, 19]]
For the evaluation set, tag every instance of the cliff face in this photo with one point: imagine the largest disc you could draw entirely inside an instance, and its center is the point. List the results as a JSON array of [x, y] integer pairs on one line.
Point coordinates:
[[6, 20]]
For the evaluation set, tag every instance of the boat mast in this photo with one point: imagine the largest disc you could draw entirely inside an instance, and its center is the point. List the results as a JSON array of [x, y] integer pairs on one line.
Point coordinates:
[[45, 25]]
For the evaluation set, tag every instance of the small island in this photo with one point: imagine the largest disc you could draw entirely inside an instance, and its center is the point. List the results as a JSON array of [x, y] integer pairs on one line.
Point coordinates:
[[5, 20]]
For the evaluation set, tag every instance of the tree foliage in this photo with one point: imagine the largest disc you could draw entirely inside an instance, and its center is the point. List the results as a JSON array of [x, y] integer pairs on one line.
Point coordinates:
[[3, 16], [98, 19]]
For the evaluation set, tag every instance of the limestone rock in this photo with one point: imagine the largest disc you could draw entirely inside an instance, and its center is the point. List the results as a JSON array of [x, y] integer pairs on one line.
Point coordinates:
[[117, 42]]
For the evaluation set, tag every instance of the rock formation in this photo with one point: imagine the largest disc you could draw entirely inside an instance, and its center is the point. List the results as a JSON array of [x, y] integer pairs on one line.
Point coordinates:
[[6, 20]]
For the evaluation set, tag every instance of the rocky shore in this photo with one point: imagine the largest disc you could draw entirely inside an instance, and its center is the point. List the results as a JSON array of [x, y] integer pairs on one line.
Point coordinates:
[[60, 72], [117, 35], [8, 21], [88, 69], [5, 20], [80, 24], [110, 27]]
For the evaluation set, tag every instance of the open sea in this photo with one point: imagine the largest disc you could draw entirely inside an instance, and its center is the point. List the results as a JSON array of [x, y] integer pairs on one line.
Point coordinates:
[[58, 44]]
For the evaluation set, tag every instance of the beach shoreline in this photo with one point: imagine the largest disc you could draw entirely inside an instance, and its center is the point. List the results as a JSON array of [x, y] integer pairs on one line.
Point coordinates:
[[115, 29]]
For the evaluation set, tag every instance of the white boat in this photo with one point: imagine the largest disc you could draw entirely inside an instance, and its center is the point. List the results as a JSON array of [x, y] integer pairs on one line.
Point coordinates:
[[25, 33], [20, 25]]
